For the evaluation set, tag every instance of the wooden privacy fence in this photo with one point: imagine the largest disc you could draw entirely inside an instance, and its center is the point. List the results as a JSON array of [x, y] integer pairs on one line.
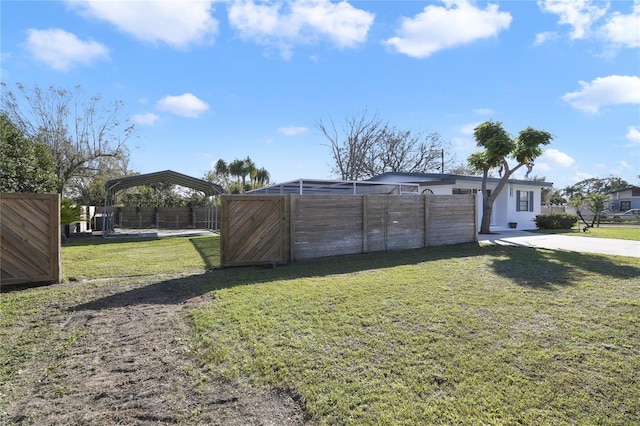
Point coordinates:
[[259, 229], [164, 217], [30, 238]]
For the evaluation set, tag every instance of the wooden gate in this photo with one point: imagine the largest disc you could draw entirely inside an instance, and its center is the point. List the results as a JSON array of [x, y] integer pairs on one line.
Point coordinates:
[[253, 230], [30, 238]]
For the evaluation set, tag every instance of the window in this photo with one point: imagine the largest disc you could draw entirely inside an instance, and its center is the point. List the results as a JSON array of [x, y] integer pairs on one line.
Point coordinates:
[[525, 201], [461, 191], [464, 191]]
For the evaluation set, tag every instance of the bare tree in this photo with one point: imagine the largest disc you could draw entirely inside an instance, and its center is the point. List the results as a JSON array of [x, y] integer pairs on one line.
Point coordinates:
[[404, 151], [80, 133], [88, 189], [355, 148], [368, 146]]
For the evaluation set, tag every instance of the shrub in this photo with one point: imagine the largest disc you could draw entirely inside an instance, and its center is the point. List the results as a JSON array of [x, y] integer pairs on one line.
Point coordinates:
[[556, 221]]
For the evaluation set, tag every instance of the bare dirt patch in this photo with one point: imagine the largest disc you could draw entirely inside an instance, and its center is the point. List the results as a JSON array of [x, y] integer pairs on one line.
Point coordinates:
[[128, 362]]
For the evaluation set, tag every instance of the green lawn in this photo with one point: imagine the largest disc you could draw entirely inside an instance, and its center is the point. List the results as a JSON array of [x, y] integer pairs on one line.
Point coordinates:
[[450, 335], [605, 231], [127, 257], [453, 335]]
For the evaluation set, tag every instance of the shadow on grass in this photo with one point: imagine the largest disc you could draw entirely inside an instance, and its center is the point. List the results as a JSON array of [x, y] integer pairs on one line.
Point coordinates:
[[96, 240], [177, 291], [537, 268], [549, 269], [209, 250]]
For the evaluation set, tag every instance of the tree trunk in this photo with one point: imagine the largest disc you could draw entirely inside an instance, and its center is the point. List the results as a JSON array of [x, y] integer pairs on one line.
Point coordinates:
[[487, 206], [485, 224]]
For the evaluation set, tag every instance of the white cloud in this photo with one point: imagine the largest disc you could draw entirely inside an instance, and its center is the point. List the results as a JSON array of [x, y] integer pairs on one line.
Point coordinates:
[[483, 111], [579, 14], [147, 119], [437, 28], [464, 145], [603, 91], [544, 37], [293, 130], [623, 30], [62, 50], [633, 135], [467, 129], [625, 166], [557, 157], [186, 105], [176, 23], [284, 24]]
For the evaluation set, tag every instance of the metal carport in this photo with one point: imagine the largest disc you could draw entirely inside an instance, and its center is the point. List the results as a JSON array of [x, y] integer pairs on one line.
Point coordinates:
[[114, 186]]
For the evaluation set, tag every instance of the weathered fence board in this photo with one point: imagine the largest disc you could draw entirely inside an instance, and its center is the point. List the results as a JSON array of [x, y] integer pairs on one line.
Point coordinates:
[[329, 225], [253, 230], [164, 217], [30, 238]]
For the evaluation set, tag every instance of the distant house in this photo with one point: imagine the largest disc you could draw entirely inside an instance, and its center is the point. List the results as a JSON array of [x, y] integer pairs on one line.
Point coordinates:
[[625, 199], [519, 202]]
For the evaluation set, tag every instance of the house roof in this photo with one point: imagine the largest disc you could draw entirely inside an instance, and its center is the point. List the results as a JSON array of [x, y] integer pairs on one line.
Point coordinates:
[[446, 179], [166, 176], [320, 186], [632, 188], [385, 183]]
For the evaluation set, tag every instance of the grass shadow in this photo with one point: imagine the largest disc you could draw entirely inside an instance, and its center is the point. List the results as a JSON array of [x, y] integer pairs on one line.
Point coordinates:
[[179, 290], [209, 250], [549, 269], [98, 240], [536, 268]]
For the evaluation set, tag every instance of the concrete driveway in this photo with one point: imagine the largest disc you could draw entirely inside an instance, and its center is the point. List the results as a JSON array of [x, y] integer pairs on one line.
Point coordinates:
[[562, 242]]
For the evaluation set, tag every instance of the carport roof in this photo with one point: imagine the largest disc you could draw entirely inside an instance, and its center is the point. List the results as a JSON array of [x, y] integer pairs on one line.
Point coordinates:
[[168, 176]]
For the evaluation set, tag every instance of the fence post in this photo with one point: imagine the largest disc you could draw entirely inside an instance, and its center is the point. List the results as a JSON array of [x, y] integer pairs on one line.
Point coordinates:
[[427, 207], [292, 227], [365, 230]]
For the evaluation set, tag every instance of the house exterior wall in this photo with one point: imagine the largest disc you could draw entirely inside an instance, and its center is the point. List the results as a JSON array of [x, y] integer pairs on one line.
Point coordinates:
[[524, 219], [622, 201], [505, 207]]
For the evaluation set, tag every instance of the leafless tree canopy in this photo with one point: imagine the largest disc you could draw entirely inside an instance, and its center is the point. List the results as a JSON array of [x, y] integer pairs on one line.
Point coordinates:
[[79, 133], [368, 146]]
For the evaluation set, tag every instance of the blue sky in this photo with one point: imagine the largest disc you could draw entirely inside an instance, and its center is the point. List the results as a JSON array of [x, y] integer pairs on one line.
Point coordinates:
[[205, 80]]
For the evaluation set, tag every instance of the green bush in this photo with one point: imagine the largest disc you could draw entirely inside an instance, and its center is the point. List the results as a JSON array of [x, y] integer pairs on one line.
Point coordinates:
[[556, 221]]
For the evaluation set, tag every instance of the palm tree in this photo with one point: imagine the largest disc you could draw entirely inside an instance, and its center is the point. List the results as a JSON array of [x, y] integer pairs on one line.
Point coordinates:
[[248, 169], [236, 168], [221, 170], [262, 177]]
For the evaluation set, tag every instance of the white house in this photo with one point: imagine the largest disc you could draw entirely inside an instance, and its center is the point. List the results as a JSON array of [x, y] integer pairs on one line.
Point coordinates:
[[519, 202], [625, 199]]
